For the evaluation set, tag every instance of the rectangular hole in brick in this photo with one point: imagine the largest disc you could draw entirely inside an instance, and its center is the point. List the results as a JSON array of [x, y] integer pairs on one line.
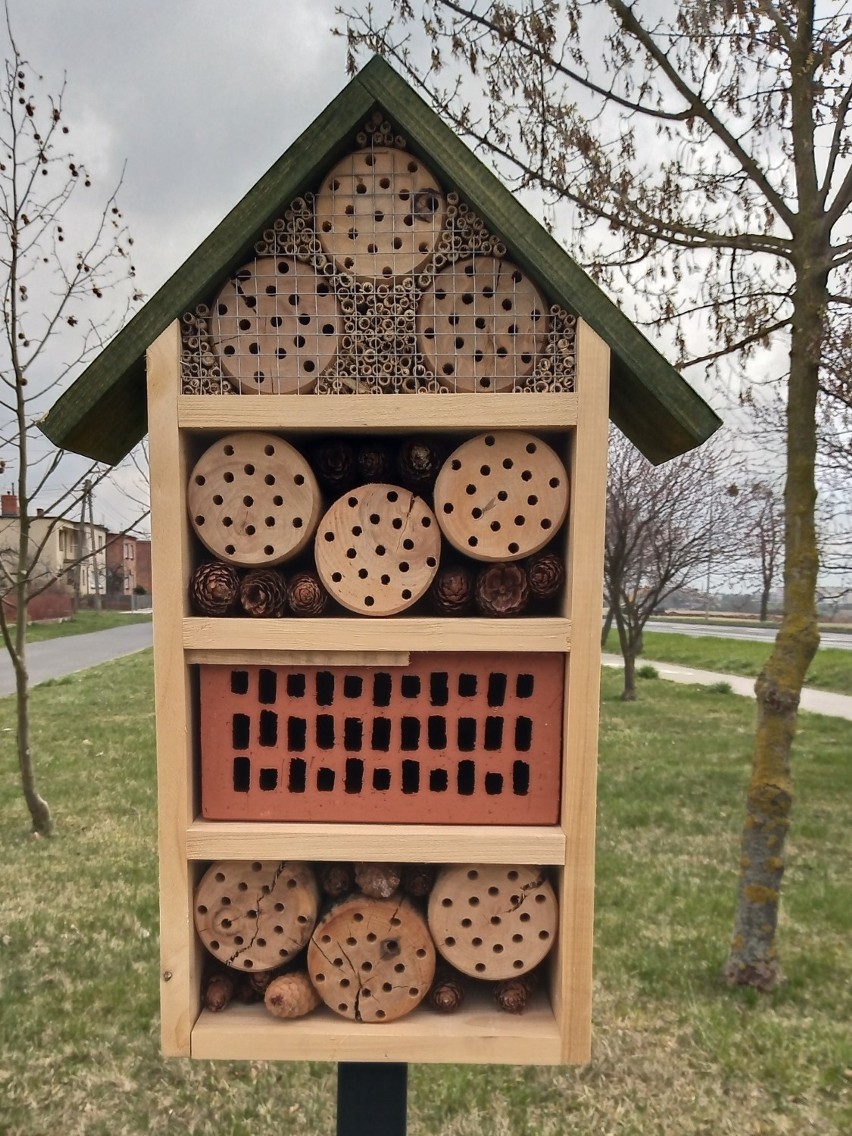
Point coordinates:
[[493, 732], [409, 733], [325, 731], [382, 687], [239, 682], [325, 779], [409, 686], [354, 781], [438, 780], [325, 688], [496, 689], [466, 735], [437, 731], [411, 776], [493, 784], [268, 734], [381, 734], [381, 779], [352, 686], [439, 688], [524, 685], [520, 778], [353, 732], [240, 731], [467, 685], [297, 729], [296, 685], [267, 686], [298, 771], [523, 733], [466, 778], [268, 780], [242, 774]]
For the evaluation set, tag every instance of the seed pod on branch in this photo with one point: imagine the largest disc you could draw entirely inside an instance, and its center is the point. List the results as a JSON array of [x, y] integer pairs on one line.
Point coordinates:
[[513, 994], [502, 589], [336, 466], [263, 593], [451, 592], [214, 588], [336, 880], [546, 574], [291, 995], [306, 594], [378, 880]]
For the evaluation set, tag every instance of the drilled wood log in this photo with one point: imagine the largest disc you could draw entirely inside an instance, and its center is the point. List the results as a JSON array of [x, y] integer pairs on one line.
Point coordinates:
[[372, 960], [492, 921]]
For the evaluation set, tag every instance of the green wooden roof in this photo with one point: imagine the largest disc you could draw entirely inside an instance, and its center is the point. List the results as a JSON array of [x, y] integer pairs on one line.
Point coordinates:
[[103, 414]]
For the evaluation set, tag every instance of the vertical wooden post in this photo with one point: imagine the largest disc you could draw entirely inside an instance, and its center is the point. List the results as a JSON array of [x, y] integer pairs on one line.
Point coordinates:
[[371, 1099]]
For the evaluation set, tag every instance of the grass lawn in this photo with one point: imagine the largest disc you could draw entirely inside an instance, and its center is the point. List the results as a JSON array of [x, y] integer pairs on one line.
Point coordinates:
[[675, 1053], [830, 670], [83, 622]]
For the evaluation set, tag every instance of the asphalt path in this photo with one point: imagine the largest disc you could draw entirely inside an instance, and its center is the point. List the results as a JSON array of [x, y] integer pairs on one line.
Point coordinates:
[[55, 658], [754, 634]]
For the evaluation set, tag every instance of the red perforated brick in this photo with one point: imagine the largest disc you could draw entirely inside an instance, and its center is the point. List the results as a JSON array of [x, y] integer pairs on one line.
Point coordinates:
[[448, 739]]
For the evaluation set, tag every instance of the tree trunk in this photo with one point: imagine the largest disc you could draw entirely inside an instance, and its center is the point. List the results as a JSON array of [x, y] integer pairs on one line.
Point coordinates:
[[753, 960], [629, 692], [606, 628], [764, 605]]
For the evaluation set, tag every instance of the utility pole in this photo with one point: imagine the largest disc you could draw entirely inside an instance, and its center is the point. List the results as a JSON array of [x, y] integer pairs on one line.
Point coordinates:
[[87, 496]]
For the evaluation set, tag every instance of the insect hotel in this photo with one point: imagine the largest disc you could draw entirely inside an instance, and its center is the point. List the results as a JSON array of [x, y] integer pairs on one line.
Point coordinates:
[[377, 401]]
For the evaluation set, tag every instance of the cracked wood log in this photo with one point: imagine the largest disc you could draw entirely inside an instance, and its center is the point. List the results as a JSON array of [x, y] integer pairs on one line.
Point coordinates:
[[372, 960]]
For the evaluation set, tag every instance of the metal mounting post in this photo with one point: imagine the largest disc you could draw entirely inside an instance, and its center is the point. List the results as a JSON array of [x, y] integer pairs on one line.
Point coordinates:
[[371, 1099]]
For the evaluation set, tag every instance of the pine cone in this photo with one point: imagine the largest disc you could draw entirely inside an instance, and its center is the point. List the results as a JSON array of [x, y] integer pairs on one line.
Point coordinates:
[[218, 991], [546, 574], [244, 992], [447, 993], [374, 462], [260, 980], [306, 594], [452, 589], [263, 593], [419, 461], [336, 465], [513, 994], [502, 589], [417, 879], [336, 880], [291, 995], [214, 588], [378, 880]]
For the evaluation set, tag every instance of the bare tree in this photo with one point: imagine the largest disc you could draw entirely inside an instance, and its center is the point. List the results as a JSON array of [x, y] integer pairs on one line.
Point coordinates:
[[49, 283], [764, 538], [664, 526], [706, 149]]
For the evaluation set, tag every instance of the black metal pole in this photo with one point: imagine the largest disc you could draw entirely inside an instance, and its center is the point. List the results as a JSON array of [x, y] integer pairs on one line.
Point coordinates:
[[371, 1099]]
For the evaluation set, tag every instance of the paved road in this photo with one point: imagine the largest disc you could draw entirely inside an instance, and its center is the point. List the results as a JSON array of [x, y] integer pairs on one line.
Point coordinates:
[[755, 634], [55, 658], [818, 701]]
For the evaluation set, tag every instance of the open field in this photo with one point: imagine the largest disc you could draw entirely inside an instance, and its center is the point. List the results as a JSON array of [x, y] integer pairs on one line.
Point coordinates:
[[674, 1053], [830, 670], [82, 623]]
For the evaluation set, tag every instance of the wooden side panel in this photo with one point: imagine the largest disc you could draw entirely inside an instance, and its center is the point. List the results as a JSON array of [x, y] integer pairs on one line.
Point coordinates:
[[169, 558], [573, 980]]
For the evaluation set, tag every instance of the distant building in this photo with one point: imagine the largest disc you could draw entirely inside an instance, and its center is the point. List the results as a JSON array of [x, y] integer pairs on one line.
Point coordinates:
[[128, 564]]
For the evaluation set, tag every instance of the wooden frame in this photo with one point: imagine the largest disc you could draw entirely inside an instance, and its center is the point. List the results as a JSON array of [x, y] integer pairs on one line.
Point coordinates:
[[557, 1027]]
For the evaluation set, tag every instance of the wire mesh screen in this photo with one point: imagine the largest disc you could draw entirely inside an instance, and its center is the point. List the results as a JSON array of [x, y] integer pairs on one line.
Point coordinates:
[[380, 281]]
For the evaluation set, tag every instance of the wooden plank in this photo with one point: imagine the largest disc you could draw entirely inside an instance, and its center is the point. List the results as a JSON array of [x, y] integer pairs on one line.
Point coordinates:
[[407, 843], [573, 978], [342, 414], [477, 1034], [170, 554], [226, 656], [424, 633]]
